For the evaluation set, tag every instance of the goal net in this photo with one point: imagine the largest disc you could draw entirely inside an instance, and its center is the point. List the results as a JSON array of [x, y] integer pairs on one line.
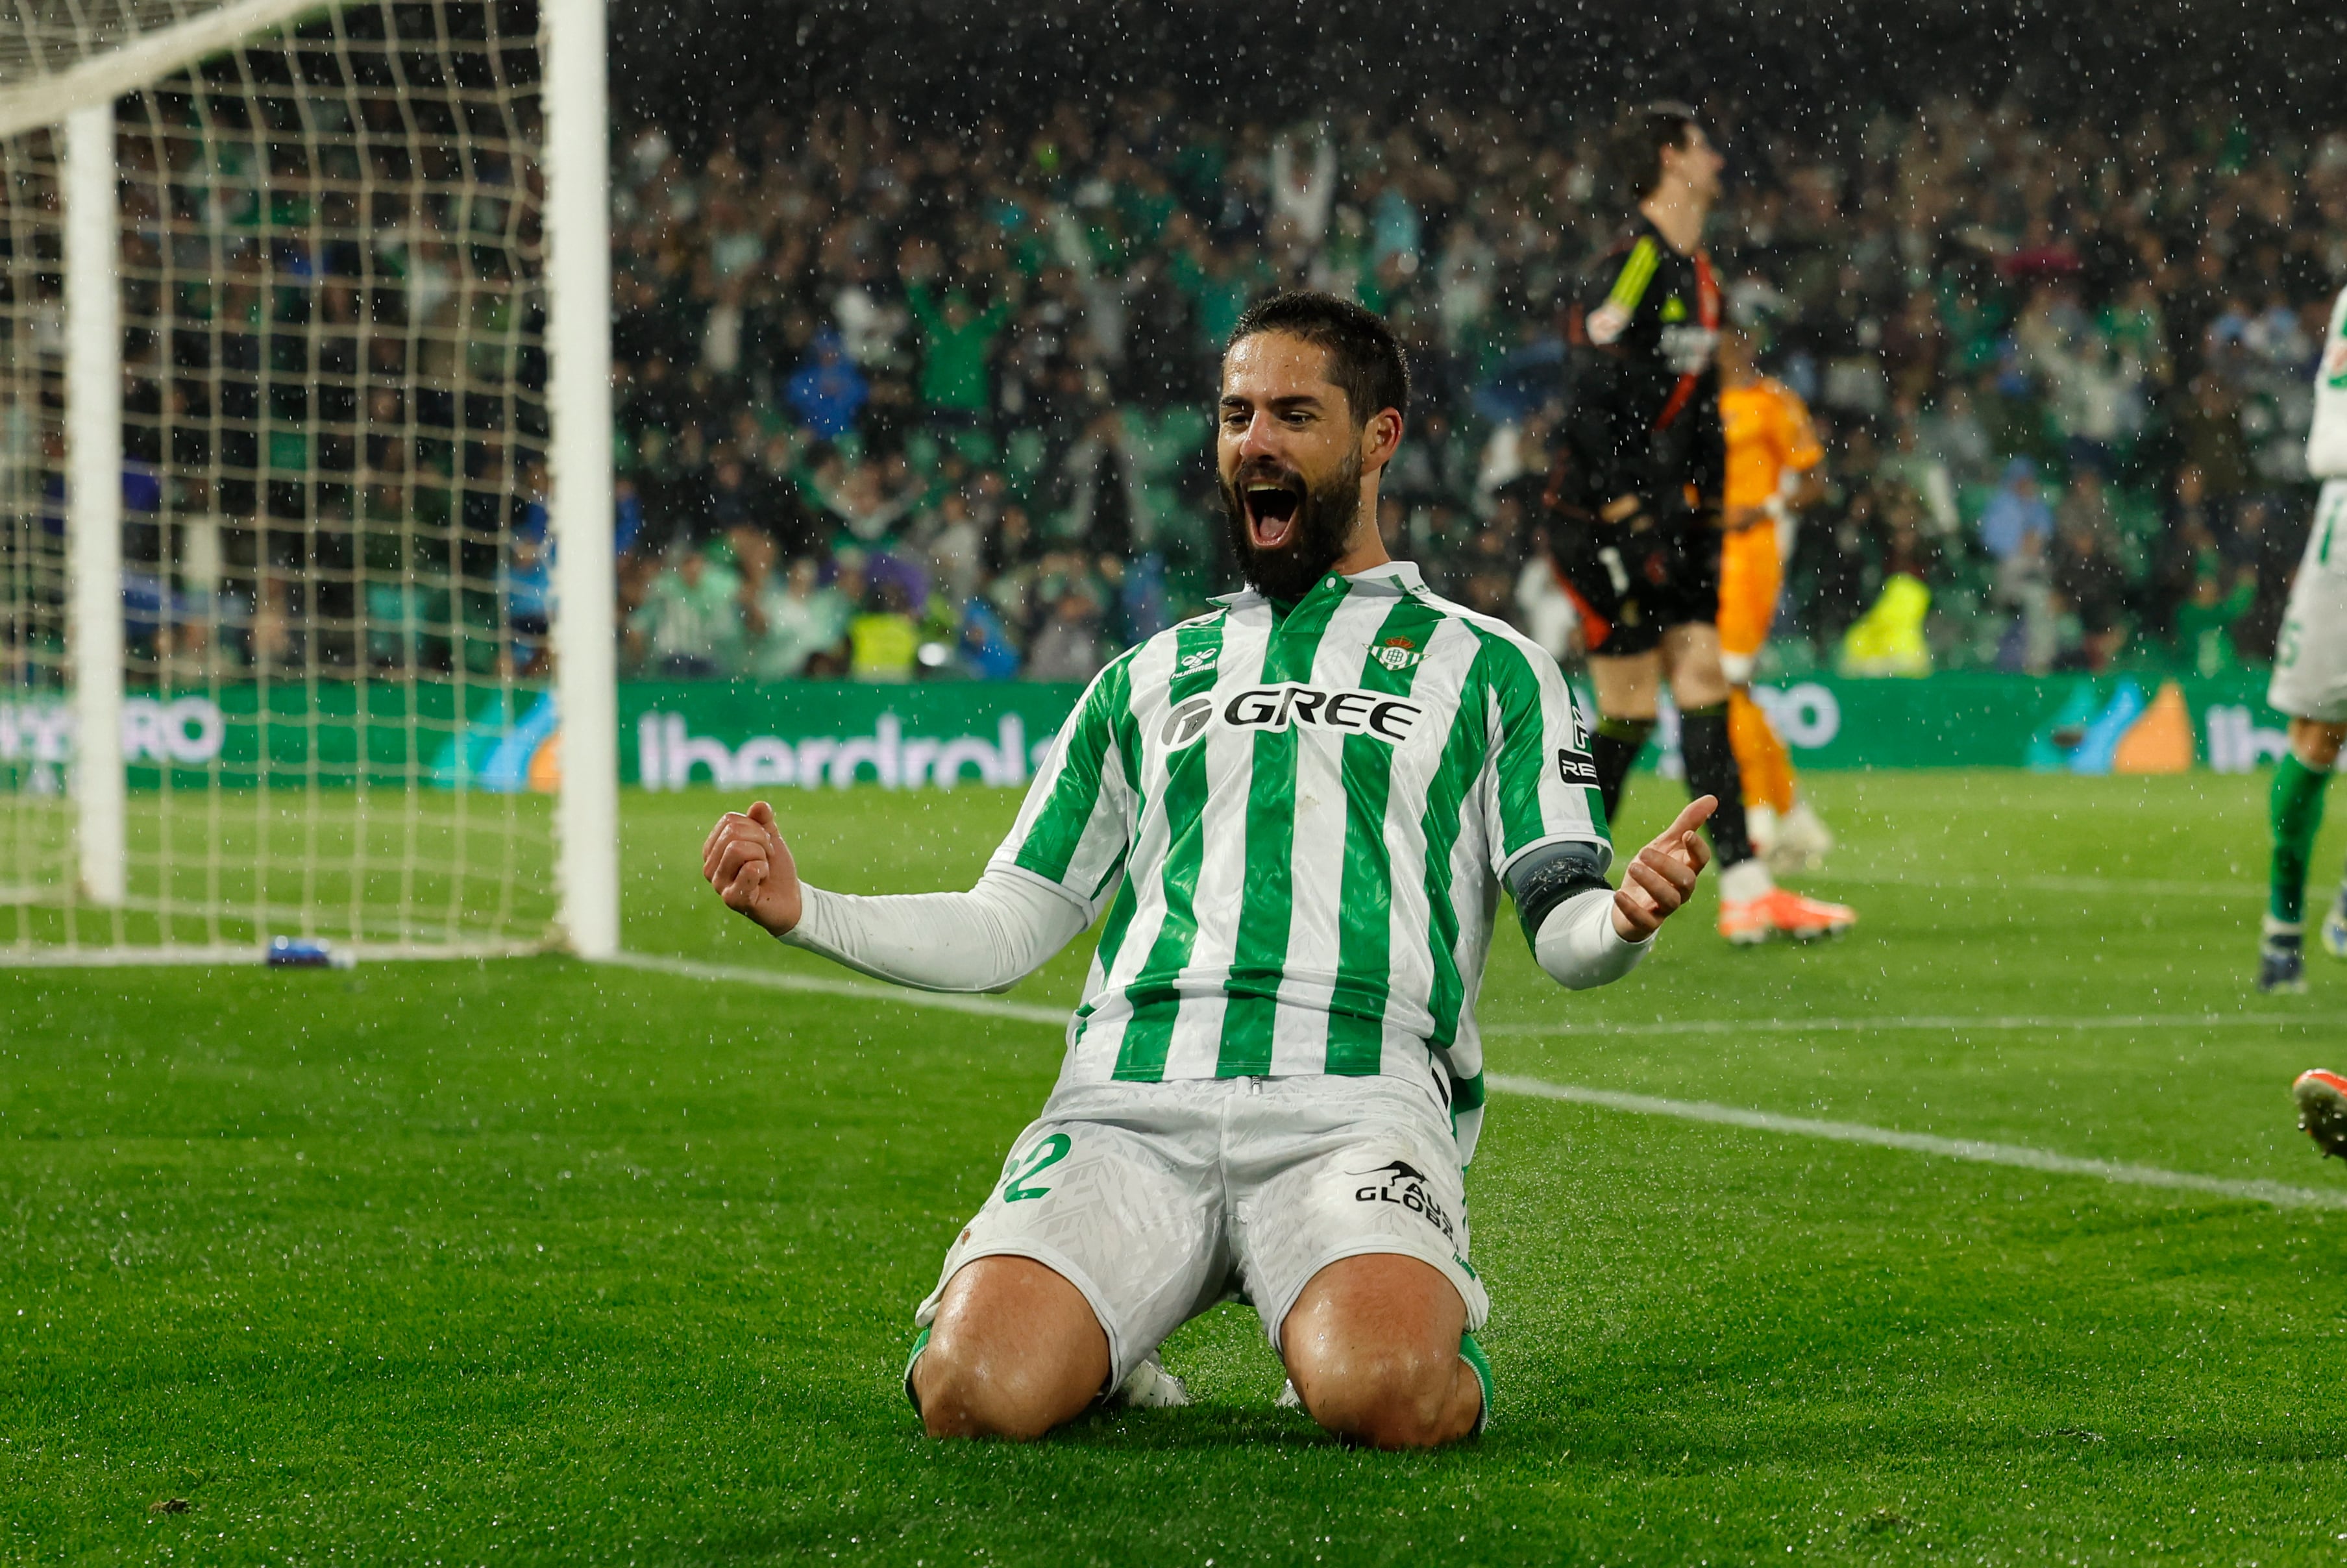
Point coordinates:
[[281, 638]]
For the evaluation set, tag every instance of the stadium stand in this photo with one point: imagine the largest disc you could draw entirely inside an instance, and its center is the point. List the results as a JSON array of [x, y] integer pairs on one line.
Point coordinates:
[[882, 393], [899, 404]]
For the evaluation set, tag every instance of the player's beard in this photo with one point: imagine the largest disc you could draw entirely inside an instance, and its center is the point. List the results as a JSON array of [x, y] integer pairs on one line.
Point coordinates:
[[1323, 525]]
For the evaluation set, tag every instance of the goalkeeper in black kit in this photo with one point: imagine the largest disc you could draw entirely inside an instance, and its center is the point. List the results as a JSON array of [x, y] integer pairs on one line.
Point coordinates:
[[1633, 503]]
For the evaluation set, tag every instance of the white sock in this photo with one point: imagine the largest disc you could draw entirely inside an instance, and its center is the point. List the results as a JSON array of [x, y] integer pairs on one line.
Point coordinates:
[[1745, 881]]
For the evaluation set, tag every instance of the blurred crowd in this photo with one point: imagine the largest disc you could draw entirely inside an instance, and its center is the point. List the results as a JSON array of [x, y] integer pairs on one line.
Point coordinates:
[[899, 404]]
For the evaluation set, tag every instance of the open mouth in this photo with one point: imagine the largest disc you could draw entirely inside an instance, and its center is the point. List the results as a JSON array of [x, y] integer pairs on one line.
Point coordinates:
[[1271, 509]]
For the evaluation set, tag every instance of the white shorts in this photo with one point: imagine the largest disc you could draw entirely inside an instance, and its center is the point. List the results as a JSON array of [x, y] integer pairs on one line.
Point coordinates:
[[1158, 1200], [2310, 675]]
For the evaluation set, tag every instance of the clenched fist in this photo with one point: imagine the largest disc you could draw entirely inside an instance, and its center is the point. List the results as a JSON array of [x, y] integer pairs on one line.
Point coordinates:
[[1660, 877], [751, 867]]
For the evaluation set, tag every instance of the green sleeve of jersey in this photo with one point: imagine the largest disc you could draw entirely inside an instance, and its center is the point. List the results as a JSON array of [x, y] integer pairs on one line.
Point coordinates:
[[1628, 289], [1077, 821], [1545, 780]]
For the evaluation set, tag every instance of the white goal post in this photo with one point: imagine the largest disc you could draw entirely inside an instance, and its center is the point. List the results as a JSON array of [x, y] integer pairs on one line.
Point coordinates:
[[306, 584]]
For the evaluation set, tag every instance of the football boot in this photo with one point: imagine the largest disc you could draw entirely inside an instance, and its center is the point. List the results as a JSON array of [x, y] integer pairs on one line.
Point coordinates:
[[1781, 912], [2281, 964], [2322, 1109]]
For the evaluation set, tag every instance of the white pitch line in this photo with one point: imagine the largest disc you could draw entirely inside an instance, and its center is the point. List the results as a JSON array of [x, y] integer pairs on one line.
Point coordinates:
[[1923, 1021], [1028, 1012], [782, 980], [248, 955], [1973, 1150], [1923, 878], [2274, 1193]]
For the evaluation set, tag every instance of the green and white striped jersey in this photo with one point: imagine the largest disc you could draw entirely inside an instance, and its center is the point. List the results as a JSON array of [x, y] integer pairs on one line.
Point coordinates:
[[1299, 824]]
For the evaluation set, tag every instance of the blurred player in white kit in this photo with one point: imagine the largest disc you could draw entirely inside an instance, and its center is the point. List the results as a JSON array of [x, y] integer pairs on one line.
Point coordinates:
[[2309, 685]]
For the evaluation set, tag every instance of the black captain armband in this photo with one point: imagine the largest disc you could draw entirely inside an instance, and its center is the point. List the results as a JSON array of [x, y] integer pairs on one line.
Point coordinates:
[[1544, 878]]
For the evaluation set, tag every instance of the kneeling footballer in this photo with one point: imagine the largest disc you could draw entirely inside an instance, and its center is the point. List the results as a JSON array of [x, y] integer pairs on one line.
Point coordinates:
[[1296, 812]]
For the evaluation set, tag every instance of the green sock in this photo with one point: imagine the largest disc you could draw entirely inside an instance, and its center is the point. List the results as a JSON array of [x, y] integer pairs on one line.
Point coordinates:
[[2295, 811], [1472, 1354], [919, 1344]]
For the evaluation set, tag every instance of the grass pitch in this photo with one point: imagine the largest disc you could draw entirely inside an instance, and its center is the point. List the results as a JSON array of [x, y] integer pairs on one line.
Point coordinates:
[[531, 1261]]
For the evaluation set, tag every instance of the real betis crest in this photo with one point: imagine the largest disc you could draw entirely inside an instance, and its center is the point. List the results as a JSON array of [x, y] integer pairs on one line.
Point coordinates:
[[1399, 653]]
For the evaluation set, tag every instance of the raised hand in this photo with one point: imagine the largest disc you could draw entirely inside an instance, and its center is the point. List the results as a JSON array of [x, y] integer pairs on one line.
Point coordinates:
[[751, 867], [1659, 877]]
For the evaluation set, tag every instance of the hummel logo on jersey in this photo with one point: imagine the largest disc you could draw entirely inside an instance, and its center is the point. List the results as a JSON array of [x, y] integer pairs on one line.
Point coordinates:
[[1198, 660]]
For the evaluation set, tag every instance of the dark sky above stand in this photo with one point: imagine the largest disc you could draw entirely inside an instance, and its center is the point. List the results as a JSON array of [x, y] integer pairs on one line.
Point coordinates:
[[1810, 64]]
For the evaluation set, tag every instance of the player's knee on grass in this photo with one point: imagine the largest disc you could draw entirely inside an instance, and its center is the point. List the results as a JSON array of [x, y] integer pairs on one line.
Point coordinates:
[[1373, 1346], [1014, 1352], [1400, 1398]]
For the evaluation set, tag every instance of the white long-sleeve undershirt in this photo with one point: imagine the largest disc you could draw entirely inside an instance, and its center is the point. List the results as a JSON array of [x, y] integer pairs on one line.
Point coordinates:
[[1005, 928], [987, 940], [1578, 946]]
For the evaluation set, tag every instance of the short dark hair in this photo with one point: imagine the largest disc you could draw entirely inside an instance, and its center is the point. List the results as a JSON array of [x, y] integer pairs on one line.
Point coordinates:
[[1634, 147], [1364, 356]]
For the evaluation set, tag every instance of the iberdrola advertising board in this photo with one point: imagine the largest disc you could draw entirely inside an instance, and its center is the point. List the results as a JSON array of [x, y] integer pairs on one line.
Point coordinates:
[[819, 736], [947, 735]]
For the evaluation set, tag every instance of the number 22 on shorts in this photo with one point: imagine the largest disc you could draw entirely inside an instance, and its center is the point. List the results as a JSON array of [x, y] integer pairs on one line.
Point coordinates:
[[1049, 1153]]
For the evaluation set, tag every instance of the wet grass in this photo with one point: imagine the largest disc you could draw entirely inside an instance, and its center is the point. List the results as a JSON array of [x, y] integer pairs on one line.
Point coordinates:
[[536, 1261]]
